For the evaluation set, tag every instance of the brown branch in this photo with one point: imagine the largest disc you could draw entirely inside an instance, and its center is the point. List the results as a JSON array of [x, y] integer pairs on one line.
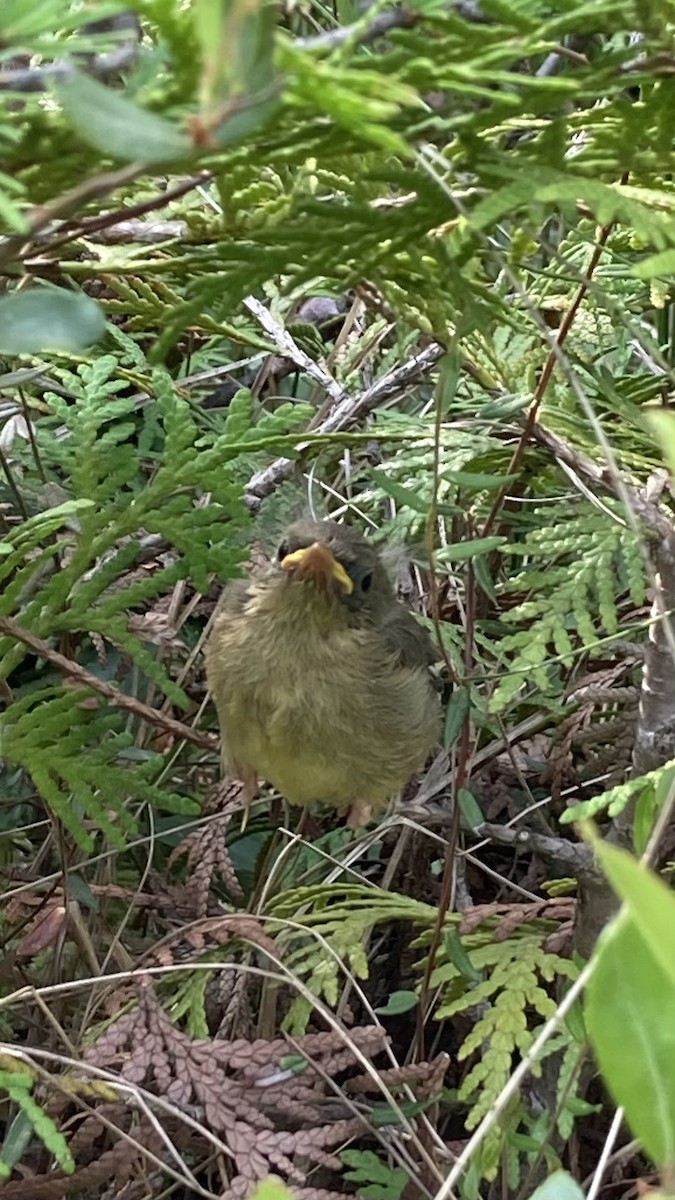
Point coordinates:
[[598, 474], [544, 380], [123, 218], [69, 202], [349, 410], [121, 56], [71, 669]]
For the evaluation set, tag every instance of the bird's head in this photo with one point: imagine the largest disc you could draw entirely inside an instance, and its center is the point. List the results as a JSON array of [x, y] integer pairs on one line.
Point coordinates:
[[336, 564]]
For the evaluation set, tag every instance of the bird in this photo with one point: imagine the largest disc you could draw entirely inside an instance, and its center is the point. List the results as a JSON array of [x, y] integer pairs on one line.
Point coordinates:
[[321, 677]]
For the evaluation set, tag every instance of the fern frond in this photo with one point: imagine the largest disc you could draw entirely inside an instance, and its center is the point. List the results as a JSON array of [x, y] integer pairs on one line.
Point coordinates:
[[18, 1086], [75, 757], [578, 572], [649, 790], [508, 1000]]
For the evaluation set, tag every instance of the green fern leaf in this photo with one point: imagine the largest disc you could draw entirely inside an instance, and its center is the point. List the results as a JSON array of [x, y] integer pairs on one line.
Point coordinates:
[[18, 1085]]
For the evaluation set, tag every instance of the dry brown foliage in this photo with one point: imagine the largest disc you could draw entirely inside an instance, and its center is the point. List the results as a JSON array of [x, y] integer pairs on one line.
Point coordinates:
[[210, 933], [206, 850], [508, 917], [280, 1106]]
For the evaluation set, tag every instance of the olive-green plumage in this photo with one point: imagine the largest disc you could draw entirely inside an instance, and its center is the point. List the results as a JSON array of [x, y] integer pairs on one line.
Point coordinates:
[[320, 677]]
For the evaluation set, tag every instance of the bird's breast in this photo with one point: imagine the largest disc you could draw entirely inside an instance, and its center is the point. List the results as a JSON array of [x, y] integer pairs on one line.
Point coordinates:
[[317, 707]]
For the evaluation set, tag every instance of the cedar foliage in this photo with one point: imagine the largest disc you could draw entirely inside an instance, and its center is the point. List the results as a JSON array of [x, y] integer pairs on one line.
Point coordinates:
[[483, 198]]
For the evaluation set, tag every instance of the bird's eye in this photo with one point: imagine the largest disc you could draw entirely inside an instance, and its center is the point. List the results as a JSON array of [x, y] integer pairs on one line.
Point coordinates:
[[283, 550], [366, 582]]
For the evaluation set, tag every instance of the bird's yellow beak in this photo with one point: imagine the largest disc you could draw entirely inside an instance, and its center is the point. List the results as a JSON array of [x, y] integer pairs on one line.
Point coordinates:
[[318, 564]]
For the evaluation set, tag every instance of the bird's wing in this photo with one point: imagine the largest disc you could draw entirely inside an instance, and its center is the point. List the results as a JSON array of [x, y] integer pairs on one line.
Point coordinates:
[[407, 638]]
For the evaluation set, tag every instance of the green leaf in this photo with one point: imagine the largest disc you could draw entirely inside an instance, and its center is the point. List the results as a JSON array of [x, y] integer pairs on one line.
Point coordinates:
[[651, 905], [10, 213], [628, 998], [398, 1002], [477, 479], [46, 318], [656, 264], [457, 551], [293, 1062], [80, 891], [456, 953], [647, 806], [484, 578], [470, 809], [384, 1114], [237, 44], [458, 707], [271, 1189], [401, 494], [17, 1139], [558, 1186], [18, 1086], [504, 407], [115, 125], [20, 21], [376, 1179], [663, 424]]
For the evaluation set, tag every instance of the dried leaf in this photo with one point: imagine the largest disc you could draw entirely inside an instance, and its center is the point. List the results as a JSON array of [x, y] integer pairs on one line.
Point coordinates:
[[42, 931]]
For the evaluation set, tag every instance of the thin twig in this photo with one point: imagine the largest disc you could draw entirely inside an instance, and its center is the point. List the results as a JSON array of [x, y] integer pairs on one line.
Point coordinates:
[[40, 79], [545, 377], [394, 18], [69, 202], [348, 411], [122, 223], [288, 348], [73, 670]]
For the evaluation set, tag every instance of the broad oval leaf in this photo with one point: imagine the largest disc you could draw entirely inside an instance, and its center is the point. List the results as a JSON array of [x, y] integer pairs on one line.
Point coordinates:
[[114, 124], [629, 1002], [458, 551], [398, 1002], [650, 903], [558, 1186], [44, 318]]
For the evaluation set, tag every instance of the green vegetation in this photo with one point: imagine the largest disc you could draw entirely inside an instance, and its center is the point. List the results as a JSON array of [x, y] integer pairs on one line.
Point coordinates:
[[410, 268]]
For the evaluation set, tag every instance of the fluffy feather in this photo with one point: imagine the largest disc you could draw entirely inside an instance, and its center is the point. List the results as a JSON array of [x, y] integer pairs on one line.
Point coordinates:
[[326, 694]]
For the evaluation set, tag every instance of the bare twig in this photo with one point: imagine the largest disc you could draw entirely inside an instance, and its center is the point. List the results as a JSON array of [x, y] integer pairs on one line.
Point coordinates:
[[288, 348], [394, 18], [69, 202], [348, 411], [39, 79], [74, 671], [577, 856], [109, 62], [122, 224]]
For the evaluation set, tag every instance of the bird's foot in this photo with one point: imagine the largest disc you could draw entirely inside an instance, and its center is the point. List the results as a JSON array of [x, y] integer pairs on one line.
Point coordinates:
[[249, 792], [360, 813]]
